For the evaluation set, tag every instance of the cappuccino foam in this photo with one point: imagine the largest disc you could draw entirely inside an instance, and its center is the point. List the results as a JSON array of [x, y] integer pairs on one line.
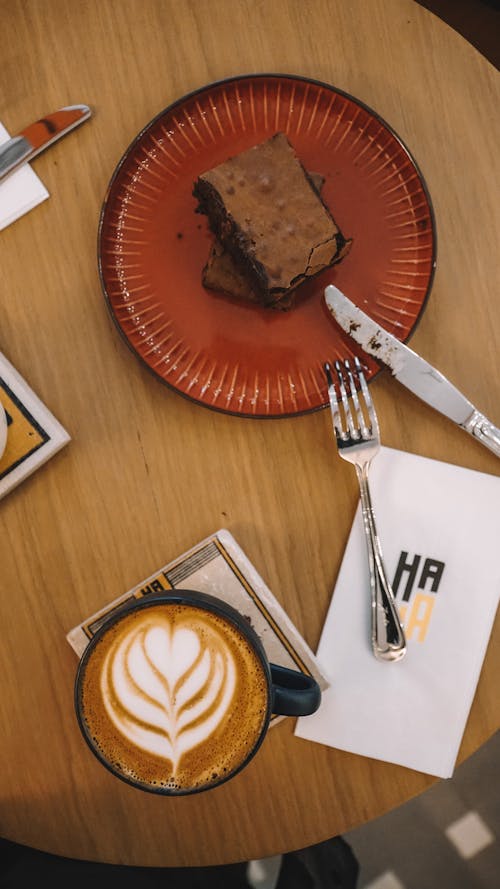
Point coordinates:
[[174, 696]]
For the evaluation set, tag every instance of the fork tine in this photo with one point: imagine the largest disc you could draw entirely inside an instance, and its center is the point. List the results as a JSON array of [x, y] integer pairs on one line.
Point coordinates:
[[370, 408], [338, 428], [353, 429], [360, 417]]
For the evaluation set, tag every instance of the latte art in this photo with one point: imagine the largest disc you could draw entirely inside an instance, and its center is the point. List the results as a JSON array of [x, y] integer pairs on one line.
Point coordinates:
[[163, 690], [173, 696]]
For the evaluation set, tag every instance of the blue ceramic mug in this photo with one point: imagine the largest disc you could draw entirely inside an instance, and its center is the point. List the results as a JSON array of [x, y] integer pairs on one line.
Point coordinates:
[[174, 693]]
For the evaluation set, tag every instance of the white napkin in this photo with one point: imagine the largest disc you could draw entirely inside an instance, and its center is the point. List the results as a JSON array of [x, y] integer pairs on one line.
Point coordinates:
[[20, 192], [443, 523]]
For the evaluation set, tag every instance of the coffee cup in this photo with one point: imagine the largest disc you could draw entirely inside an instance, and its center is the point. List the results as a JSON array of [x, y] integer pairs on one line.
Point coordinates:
[[174, 693]]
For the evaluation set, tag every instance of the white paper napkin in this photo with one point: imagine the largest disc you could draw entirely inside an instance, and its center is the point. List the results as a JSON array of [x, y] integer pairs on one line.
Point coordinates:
[[440, 530], [20, 192]]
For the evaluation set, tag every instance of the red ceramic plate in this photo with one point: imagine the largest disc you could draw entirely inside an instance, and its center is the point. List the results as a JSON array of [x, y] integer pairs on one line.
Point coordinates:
[[238, 357]]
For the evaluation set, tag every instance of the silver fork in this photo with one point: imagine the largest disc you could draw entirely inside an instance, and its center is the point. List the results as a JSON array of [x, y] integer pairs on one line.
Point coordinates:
[[358, 441]]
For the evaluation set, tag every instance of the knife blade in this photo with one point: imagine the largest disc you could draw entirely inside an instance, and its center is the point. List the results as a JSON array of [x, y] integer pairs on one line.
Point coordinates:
[[411, 370], [39, 135]]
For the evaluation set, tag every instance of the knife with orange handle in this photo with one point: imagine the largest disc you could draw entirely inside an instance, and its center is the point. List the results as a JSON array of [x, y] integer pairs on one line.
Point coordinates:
[[38, 136]]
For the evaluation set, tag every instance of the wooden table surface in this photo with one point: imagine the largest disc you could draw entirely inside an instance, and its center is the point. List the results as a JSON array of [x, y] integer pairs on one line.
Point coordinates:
[[147, 473]]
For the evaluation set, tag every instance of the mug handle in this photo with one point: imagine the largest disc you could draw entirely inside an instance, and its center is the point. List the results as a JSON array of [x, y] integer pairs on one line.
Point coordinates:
[[293, 693]]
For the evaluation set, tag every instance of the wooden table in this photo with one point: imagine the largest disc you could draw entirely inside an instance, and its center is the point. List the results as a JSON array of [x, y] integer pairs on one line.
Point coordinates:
[[132, 489]]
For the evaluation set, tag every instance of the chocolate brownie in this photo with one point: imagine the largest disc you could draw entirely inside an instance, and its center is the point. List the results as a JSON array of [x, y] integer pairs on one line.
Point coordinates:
[[264, 209], [222, 273]]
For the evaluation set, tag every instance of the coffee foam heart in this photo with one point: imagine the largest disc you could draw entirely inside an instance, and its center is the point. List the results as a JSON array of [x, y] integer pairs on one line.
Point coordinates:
[[164, 688]]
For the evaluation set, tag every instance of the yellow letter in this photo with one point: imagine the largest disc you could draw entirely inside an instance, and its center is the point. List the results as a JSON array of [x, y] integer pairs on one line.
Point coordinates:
[[420, 615]]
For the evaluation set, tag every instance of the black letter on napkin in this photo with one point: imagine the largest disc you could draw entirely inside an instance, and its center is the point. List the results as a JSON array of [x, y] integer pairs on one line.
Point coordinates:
[[432, 569], [411, 568]]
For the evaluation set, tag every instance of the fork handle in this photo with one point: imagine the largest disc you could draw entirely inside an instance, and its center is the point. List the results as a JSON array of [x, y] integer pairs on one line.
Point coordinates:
[[388, 638]]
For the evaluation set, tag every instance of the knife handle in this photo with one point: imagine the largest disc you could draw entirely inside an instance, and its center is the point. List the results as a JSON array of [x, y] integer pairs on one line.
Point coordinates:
[[481, 428]]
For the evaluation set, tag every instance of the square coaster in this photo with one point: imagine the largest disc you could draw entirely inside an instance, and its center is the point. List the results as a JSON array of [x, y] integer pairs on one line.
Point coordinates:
[[33, 433], [219, 567]]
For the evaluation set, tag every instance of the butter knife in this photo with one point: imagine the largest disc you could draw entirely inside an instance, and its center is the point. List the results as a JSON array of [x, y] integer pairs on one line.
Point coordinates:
[[411, 370], [39, 135]]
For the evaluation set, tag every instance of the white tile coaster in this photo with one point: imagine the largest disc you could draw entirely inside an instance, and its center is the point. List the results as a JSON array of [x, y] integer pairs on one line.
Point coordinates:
[[469, 834], [19, 192], [33, 433]]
